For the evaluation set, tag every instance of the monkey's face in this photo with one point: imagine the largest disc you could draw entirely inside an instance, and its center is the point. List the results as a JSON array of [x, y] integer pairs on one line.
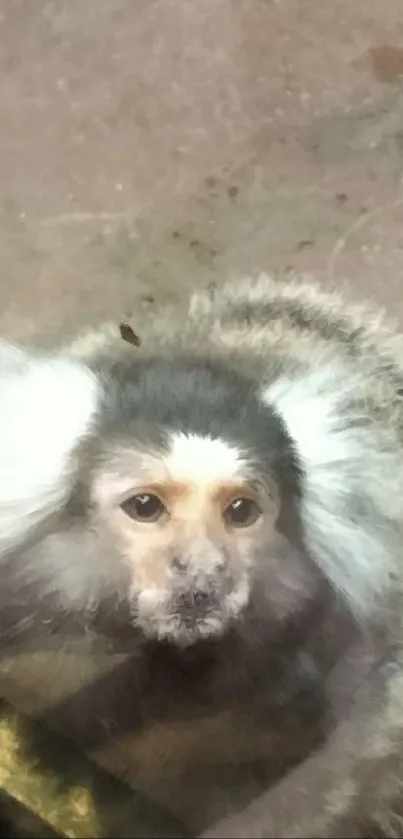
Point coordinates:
[[189, 524]]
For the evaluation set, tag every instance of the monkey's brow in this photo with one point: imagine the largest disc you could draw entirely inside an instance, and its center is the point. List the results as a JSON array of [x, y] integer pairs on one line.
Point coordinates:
[[257, 484]]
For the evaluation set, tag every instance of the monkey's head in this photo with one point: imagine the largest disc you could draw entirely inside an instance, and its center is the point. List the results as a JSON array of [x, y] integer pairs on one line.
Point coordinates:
[[189, 473], [194, 495]]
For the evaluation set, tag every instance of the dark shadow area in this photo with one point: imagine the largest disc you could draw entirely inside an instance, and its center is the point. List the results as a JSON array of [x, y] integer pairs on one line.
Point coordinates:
[[213, 724], [15, 821], [47, 773]]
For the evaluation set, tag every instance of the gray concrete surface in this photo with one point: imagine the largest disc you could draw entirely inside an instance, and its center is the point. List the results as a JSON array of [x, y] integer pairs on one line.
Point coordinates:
[[148, 146]]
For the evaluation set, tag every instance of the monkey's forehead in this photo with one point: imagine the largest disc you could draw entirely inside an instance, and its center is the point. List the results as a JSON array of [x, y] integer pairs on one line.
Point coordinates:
[[205, 422], [149, 398], [186, 461]]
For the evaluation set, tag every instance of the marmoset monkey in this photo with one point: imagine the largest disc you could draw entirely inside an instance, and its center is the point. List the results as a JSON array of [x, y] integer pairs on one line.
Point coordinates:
[[235, 469]]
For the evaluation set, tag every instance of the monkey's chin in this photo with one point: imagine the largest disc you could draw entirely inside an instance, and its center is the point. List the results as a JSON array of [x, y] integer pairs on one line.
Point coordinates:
[[183, 631]]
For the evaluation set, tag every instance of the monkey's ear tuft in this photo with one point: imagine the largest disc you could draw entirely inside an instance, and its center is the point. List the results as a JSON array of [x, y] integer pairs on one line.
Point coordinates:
[[128, 334]]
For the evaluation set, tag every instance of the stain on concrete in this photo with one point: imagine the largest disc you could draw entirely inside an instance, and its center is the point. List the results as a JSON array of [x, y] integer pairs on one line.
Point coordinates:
[[387, 63]]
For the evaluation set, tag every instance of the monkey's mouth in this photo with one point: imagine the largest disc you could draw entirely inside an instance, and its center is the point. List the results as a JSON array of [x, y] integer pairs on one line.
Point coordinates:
[[190, 617]]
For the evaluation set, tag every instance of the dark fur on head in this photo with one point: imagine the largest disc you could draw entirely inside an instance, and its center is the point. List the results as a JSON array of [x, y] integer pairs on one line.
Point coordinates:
[[144, 399]]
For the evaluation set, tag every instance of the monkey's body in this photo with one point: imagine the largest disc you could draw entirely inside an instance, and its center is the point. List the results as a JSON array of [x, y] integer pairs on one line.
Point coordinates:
[[317, 632]]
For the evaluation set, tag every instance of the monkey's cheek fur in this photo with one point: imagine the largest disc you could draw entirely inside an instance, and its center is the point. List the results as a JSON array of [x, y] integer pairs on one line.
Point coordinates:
[[160, 616]]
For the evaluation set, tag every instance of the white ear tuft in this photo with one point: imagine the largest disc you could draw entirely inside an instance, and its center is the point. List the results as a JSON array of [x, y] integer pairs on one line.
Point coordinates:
[[46, 407], [352, 483]]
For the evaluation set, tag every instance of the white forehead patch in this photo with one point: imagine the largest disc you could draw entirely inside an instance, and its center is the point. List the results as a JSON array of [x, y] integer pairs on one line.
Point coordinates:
[[203, 460]]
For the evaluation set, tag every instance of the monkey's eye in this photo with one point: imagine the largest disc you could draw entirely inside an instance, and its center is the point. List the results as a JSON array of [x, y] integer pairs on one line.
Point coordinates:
[[242, 512], [144, 507]]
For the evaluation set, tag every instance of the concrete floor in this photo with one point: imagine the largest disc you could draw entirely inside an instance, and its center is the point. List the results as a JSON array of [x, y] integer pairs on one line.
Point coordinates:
[[148, 146]]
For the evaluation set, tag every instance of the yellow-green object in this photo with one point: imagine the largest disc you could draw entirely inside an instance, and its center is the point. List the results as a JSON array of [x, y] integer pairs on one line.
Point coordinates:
[[64, 792]]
